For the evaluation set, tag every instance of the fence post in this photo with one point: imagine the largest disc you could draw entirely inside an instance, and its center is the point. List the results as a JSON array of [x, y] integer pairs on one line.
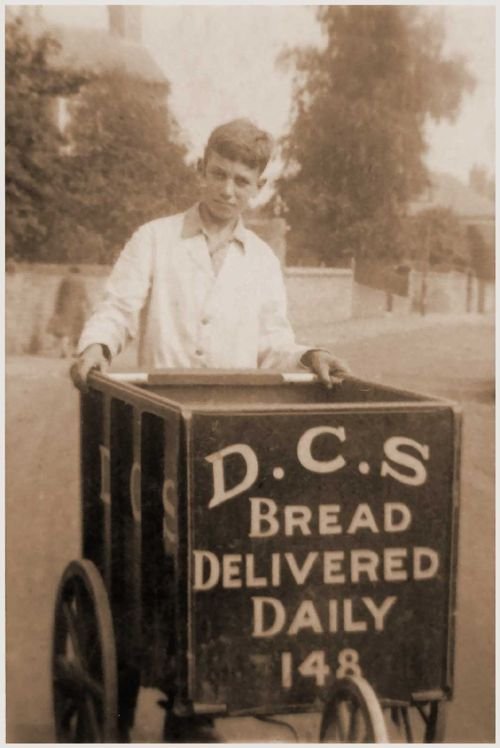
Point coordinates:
[[425, 270], [468, 299], [481, 293]]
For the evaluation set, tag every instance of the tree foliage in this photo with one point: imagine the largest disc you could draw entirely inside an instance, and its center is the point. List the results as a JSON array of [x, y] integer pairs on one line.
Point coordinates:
[[437, 236], [127, 162], [34, 171], [354, 154], [78, 195]]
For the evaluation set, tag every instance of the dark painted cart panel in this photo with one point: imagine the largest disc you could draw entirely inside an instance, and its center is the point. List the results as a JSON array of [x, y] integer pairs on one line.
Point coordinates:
[[303, 571], [260, 617]]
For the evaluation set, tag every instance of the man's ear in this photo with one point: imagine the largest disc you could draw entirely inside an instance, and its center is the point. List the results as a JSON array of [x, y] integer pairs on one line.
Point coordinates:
[[261, 182], [200, 167]]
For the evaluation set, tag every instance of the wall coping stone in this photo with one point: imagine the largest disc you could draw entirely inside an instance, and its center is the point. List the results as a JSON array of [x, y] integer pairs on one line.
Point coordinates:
[[318, 271]]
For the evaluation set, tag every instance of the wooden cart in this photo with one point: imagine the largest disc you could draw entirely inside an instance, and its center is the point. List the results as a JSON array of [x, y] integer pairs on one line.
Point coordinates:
[[255, 544]]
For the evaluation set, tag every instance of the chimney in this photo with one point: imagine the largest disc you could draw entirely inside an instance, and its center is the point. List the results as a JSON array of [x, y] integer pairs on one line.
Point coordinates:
[[125, 22]]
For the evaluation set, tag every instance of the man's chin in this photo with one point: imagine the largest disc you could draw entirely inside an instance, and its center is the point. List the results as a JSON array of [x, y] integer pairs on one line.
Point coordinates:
[[222, 211]]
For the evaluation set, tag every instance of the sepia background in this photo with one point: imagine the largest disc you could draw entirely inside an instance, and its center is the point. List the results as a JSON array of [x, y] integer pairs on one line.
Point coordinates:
[[379, 204]]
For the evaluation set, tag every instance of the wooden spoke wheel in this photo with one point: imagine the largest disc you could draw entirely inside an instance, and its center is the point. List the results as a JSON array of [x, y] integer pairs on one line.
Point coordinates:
[[84, 673], [352, 714], [419, 723]]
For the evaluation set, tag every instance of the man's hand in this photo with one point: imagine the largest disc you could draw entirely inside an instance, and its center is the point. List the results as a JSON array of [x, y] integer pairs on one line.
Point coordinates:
[[92, 357], [330, 370]]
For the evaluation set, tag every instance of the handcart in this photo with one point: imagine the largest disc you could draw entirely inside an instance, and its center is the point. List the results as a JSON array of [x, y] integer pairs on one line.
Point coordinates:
[[255, 544]]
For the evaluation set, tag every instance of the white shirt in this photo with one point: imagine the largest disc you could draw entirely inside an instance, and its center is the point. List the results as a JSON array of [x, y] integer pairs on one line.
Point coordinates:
[[164, 289]]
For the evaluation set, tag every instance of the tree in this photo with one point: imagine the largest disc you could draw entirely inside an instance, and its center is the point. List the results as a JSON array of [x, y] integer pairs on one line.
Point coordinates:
[[78, 196], [34, 170], [436, 235], [127, 164], [354, 154]]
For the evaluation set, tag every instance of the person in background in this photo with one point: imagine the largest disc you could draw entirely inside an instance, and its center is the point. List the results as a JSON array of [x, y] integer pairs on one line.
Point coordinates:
[[70, 311]]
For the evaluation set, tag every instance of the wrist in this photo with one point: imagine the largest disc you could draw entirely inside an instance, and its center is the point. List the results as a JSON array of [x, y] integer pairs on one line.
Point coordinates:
[[106, 352], [97, 348], [307, 358]]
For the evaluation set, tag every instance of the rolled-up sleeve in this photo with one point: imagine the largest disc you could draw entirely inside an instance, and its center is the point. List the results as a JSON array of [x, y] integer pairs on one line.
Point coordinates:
[[115, 319], [277, 346]]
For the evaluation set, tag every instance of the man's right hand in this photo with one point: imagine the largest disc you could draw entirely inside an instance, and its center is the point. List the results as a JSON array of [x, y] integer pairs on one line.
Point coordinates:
[[92, 357]]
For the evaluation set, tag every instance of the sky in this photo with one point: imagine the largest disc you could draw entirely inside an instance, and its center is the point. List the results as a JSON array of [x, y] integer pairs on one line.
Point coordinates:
[[220, 61]]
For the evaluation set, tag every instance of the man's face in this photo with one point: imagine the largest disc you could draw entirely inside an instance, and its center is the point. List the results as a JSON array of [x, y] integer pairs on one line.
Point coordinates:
[[228, 186]]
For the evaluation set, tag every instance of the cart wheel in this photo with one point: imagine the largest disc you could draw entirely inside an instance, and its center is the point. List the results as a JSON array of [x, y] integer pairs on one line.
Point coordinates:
[[84, 672], [420, 723], [352, 714]]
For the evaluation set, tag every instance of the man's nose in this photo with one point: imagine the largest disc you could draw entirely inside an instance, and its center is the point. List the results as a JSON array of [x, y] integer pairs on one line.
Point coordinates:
[[228, 188]]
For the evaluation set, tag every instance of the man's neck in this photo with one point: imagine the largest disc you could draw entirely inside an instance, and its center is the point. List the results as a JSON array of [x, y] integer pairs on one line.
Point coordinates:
[[216, 226]]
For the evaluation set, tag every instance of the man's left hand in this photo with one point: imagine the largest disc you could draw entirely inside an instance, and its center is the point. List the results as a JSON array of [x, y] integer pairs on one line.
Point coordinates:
[[330, 369]]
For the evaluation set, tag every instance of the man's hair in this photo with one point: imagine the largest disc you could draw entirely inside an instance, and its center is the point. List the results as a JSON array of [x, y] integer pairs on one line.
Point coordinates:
[[241, 140]]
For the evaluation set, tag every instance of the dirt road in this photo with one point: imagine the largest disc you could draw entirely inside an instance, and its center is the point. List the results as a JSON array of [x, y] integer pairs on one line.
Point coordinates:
[[42, 509]]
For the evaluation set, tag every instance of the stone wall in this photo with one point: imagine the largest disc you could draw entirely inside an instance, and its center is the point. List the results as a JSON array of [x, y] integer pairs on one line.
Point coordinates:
[[315, 297], [318, 298], [451, 293], [373, 302]]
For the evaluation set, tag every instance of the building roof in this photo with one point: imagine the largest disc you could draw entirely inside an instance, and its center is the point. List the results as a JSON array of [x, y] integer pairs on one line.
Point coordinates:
[[449, 192], [98, 51]]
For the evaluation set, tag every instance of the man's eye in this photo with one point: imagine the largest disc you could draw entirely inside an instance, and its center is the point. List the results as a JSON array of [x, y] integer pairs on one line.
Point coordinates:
[[242, 182]]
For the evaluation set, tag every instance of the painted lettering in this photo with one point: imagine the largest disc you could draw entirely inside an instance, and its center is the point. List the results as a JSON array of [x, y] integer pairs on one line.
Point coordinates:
[[263, 522], [304, 447], [417, 474], [216, 459], [425, 563]]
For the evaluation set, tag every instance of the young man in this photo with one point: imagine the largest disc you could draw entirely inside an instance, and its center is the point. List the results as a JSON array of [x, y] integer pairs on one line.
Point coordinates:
[[199, 289]]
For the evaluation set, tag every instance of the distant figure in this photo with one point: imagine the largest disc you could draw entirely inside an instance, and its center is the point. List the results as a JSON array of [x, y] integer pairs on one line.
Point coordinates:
[[70, 312]]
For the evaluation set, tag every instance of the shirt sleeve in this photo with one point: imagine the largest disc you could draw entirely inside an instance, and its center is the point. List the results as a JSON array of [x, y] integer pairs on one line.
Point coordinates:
[[115, 319], [277, 346]]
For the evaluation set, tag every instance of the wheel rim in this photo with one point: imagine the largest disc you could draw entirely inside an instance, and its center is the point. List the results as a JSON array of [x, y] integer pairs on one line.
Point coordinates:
[[353, 714], [84, 659]]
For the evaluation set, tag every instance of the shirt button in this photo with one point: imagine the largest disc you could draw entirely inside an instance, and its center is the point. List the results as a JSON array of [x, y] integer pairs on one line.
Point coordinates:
[[205, 320], [199, 352]]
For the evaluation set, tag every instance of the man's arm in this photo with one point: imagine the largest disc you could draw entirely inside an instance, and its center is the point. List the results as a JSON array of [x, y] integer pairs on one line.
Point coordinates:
[[330, 369], [95, 356], [115, 319], [277, 346]]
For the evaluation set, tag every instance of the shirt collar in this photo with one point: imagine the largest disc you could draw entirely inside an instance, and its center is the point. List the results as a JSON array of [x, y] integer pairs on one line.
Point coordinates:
[[193, 225]]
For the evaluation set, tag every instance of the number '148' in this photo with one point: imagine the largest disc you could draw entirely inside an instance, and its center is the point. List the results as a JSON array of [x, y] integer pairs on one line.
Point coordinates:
[[315, 666]]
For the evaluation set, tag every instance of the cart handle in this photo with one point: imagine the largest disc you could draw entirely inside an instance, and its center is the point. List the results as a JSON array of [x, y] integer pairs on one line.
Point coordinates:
[[215, 377]]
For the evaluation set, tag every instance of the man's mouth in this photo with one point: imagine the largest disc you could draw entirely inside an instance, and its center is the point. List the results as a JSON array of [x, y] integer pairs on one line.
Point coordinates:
[[225, 204]]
